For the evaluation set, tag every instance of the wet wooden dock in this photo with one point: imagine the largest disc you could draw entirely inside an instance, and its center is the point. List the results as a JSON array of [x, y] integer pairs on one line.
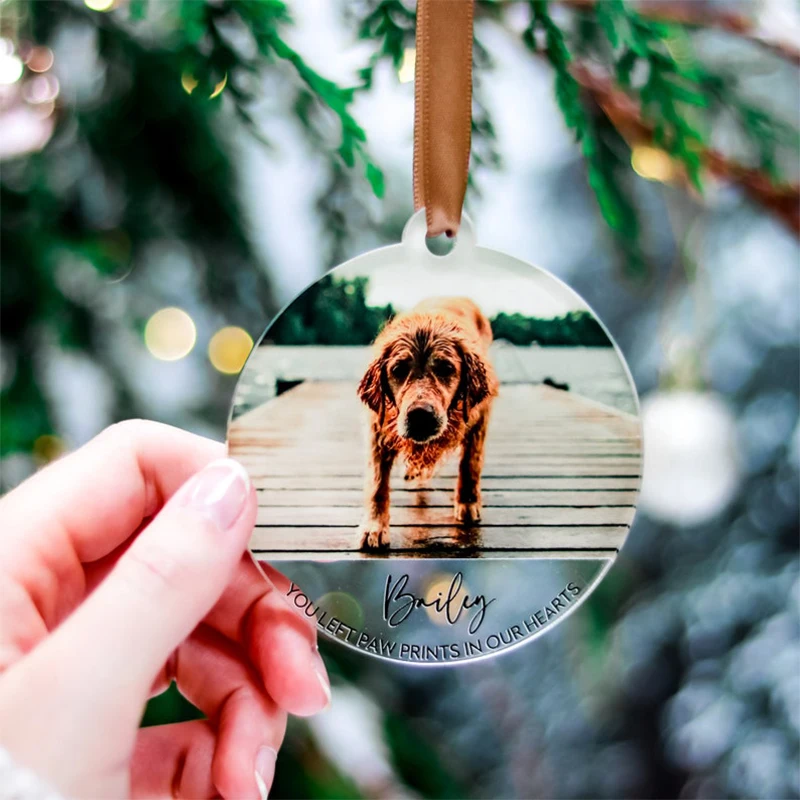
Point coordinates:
[[560, 478]]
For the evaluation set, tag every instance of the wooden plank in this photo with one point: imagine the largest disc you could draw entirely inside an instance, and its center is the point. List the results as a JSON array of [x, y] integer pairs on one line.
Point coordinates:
[[357, 555], [286, 541], [430, 498], [493, 455], [496, 466], [498, 516], [569, 483], [335, 438], [509, 449], [560, 476], [297, 540], [603, 426], [585, 406], [536, 403], [506, 467], [260, 469]]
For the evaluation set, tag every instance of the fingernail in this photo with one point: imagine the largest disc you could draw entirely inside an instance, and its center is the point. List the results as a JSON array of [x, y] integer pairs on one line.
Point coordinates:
[[219, 492], [322, 677], [265, 770]]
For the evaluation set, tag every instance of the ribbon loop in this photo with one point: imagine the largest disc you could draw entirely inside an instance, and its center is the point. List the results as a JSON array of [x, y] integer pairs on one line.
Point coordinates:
[[442, 111]]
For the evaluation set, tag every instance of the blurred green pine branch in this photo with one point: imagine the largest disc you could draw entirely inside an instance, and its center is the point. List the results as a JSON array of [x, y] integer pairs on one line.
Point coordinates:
[[677, 100], [336, 311], [602, 163], [183, 58], [668, 91], [391, 24], [266, 21]]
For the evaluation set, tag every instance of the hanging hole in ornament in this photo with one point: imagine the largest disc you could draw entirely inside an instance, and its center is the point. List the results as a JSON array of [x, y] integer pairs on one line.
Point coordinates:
[[441, 245], [438, 248]]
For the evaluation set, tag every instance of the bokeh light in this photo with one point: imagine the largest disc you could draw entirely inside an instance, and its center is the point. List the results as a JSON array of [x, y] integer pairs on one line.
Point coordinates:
[[99, 5], [219, 87], [652, 163], [189, 82], [40, 59], [343, 606], [691, 460], [229, 348], [170, 334], [439, 588], [48, 448], [41, 89], [680, 48], [406, 71], [11, 68]]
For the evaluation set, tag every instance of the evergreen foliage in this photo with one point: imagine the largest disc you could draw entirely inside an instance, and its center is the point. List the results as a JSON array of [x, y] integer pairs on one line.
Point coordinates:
[[655, 62], [574, 329], [601, 160], [153, 140], [332, 312], [677, 635], [335, 312]]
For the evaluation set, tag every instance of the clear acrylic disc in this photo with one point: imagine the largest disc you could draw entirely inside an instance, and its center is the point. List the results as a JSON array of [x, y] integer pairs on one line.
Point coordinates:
[[446, 449]]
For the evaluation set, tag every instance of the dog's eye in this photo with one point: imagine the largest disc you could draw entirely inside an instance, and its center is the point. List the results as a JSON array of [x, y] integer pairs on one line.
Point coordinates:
[[400, 370], [444, 369]]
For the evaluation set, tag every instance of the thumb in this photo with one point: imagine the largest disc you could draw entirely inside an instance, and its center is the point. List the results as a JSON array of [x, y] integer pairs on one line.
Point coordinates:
[[162, 587]]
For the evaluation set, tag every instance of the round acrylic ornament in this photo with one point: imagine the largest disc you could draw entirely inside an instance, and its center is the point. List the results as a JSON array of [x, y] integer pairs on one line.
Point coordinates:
[[446, 449]]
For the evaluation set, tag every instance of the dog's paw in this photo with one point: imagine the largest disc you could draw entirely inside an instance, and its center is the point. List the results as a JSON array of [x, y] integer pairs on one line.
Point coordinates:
[[374, 534], [467, 513]]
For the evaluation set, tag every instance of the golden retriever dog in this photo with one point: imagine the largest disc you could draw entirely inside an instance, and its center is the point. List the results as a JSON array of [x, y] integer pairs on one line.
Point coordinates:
[[429, 389]]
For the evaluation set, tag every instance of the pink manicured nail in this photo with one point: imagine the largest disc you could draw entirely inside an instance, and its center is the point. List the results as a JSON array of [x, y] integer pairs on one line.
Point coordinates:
[[219, 492], [322, 676], [265, 770]]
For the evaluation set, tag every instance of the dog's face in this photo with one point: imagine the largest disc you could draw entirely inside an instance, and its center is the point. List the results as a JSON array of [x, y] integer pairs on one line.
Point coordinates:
[[424, 370], [423, 373]]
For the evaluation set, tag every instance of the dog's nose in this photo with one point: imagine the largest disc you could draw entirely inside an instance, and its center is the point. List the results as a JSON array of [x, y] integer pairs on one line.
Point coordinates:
[[421, 422]]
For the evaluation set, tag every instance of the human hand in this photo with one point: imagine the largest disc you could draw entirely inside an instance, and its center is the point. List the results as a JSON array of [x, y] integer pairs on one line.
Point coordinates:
[[100, 607]]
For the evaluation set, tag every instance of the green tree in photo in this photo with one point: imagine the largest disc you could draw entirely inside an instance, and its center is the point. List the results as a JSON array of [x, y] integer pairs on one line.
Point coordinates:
[[332, 312], [335, 312], [575, 329]]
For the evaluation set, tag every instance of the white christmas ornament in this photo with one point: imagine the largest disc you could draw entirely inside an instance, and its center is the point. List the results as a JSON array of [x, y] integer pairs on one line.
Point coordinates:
[[691, 461]]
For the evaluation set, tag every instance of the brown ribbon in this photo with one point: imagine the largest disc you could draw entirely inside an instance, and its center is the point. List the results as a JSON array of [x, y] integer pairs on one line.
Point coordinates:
[[442, 111]]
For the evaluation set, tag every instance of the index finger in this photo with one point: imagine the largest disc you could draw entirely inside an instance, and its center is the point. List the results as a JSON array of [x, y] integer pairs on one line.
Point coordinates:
[[95, 498]]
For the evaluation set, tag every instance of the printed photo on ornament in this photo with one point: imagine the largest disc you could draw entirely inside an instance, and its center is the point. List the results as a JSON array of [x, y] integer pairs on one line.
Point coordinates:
[[477, 413]]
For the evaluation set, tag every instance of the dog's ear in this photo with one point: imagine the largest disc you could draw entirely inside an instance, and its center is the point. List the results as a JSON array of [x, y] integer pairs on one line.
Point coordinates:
[[474, 383], [370, 389], [374, 389]]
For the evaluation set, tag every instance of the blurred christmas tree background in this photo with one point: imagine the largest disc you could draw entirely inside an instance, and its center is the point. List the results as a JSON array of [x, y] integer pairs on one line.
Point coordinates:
[[174, 171]]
